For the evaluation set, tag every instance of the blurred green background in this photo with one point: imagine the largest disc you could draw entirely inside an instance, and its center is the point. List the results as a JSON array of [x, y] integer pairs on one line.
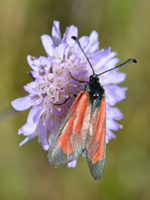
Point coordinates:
[[24, 171]]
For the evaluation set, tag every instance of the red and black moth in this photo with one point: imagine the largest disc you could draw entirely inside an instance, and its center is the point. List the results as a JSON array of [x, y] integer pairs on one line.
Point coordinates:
[[84, 127]]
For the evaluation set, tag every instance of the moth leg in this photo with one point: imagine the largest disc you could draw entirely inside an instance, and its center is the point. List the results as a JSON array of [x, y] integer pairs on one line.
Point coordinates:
[[76, 79], [59, 104]]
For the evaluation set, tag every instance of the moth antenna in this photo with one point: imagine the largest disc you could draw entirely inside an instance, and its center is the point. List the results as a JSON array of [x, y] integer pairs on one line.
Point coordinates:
[[77, 41], [127, 62]]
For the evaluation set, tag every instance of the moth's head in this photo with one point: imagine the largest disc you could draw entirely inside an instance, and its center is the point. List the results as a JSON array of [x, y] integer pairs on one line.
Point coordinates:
[[94, 78]]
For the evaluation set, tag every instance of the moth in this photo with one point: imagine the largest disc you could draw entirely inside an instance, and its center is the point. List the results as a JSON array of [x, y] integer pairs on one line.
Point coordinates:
[[84, 127]]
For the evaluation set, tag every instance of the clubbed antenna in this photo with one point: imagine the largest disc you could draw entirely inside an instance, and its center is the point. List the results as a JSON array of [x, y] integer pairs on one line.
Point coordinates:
[[127, 62], [77, 41]]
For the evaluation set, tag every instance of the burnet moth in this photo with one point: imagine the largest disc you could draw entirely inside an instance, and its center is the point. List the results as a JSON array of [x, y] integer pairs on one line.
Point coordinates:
[[83, 129]]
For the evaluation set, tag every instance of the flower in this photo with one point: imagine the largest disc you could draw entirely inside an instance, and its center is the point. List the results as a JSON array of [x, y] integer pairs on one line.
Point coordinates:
[[51, 83]]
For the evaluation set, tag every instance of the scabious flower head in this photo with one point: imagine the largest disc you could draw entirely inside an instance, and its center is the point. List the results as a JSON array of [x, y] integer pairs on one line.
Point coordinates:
[[52, 84]]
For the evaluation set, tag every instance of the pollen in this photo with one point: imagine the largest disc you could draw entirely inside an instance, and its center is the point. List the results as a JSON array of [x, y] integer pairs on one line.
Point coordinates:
[[57, 69]]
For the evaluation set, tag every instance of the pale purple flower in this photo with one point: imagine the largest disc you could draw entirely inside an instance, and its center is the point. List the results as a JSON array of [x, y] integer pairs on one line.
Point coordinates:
[[51, 83]]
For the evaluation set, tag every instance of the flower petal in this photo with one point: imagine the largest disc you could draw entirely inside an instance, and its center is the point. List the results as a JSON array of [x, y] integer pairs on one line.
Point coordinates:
[[114, 94], [94, 43], [30, 87], [112, 78], [70, 31], [33, 62], [32, 121], [48, 44], [113, 113], [56, 33], [109, 135], [60, 49], [34, 115], [27, 129], [72, 164], [43, 136], [84, 41], [93, 37], [27, 139], [111, 124], [22, 103], [112, 62]]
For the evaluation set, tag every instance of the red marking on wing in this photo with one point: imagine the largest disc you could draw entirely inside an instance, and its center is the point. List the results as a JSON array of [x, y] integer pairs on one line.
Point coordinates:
[[63, 140], [80, 113], [100, 152], [70, 133], [76, 102], [95, 147]]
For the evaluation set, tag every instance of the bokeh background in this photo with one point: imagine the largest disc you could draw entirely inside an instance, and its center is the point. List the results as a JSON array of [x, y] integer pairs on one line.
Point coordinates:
[[24, 171]]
